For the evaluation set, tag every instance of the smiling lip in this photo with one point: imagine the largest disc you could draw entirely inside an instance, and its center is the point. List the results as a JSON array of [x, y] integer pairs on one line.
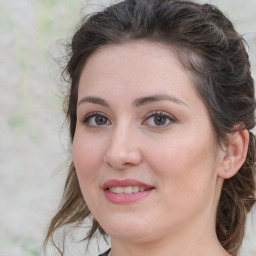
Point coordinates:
[[125, 183], [125, 198]]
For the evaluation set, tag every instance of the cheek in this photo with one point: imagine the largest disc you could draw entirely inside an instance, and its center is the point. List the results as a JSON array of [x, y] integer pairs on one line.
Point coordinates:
[[185, 165], [87, 152], [83, 158], [87, 160]]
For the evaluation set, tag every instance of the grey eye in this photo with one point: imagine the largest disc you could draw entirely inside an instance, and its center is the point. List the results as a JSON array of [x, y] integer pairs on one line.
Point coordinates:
[[100, 120], [95, 120], [160, 120]]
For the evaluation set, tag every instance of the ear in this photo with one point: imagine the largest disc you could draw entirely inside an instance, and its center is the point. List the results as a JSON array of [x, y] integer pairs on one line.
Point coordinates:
[[234, 154]]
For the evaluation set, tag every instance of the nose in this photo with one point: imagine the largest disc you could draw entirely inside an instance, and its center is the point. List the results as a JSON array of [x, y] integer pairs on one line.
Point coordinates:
[[123, 150]]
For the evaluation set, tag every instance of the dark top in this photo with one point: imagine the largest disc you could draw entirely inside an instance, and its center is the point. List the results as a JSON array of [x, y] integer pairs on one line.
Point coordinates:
[[105, 253]]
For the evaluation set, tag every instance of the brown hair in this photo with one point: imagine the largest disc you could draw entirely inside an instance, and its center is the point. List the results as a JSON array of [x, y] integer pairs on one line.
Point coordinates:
[[214, 54]]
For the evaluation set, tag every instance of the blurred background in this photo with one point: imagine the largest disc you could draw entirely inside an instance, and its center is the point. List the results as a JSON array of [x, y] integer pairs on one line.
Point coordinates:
[[33, 142]]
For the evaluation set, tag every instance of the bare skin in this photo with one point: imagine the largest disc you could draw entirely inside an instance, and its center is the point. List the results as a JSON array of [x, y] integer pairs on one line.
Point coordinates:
[[140, 118]]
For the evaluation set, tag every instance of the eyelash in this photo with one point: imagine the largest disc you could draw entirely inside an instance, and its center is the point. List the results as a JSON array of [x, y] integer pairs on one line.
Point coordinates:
[[170, 118], [161, 114], [88, 117]]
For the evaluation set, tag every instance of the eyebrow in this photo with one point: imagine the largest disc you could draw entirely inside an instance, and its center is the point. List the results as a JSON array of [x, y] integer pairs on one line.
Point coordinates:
[[158, 97], [137, 102], [94, 100]]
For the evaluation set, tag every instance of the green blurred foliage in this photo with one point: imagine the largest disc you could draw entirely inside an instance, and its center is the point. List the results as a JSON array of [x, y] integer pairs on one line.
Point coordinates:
[[29, 246], [55, 18]]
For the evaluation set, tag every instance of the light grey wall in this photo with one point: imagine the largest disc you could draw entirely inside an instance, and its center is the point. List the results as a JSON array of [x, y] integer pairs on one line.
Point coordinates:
[[33, 145]]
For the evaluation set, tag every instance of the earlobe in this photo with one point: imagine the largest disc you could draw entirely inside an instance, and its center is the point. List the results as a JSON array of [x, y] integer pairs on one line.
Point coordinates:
[[235, 154]]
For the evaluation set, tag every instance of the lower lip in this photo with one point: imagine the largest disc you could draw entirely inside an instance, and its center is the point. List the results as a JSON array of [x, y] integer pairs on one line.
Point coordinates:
[[126, 198]]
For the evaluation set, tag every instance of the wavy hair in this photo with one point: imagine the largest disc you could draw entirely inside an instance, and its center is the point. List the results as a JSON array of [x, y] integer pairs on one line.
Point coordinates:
[[214, 54]]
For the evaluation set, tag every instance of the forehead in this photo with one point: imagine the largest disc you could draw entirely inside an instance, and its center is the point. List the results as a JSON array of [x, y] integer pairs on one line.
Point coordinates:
[[136, 67]]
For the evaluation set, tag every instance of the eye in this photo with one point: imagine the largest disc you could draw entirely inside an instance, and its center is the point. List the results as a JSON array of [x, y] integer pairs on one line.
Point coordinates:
[[96, 120], [159, 119]]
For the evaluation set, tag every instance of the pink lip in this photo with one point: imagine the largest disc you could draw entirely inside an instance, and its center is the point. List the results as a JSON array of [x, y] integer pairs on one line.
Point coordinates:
[[124, 183], [125, 198]]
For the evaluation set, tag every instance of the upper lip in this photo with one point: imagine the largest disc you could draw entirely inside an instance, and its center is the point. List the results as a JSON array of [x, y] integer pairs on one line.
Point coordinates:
[[125, 183]]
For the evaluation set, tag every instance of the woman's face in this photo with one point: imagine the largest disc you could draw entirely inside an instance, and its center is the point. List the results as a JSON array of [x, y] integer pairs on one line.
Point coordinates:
[[143, 148]]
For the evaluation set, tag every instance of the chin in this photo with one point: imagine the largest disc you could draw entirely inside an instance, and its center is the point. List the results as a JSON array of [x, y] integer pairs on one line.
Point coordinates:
[[131, 235], [125, 228]]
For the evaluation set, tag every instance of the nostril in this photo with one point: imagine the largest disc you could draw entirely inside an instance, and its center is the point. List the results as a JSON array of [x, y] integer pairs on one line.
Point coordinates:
[[122, 159]]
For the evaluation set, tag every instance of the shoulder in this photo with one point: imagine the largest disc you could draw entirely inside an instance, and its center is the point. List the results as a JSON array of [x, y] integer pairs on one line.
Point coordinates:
[[105, 253]]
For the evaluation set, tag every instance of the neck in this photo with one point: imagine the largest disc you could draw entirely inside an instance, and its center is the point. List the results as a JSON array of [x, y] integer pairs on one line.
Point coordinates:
[[192, 239], [193, 247], [195, 237]]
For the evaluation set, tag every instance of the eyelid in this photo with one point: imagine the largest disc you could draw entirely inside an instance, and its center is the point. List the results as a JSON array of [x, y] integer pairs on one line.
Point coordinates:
[[148, 115], [92, 114], [162, 113]]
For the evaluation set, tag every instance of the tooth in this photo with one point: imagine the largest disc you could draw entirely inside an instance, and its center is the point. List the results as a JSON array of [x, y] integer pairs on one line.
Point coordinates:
[[135, 189], [119, 190], [128, 190], [112, 189]]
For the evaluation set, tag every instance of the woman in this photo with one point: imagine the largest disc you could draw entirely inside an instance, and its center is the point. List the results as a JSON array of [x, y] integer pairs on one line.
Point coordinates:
[[160, 105]]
